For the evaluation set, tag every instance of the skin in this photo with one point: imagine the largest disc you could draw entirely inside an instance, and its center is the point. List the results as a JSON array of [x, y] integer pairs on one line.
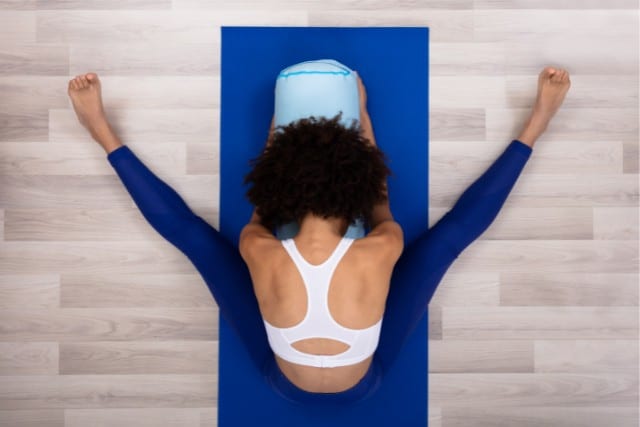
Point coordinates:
[[360, 283]]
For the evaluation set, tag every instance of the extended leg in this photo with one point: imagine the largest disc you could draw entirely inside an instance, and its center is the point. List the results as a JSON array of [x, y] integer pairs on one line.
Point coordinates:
[[218, 261], [425, 261]]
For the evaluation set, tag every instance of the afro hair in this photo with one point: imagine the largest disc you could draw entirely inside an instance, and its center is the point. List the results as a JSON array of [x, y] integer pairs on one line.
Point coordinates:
[[317, 166]]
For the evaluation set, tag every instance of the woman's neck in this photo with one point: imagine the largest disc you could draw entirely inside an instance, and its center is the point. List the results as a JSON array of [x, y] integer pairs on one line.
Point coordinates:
[[313, 227]]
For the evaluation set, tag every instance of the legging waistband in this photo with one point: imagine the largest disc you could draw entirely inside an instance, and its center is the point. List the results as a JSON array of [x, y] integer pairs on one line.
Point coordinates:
[[281, 385]]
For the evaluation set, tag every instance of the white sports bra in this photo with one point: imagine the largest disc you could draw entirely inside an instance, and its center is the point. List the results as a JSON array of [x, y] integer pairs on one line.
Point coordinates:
[[318, 322]]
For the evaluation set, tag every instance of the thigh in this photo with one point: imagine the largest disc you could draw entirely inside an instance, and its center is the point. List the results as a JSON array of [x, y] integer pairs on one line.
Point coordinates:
[[415, 278]]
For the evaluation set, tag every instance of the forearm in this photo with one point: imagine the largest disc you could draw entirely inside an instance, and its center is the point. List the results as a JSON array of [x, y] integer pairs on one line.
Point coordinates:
[[367, 127], [255, 218], [381, 211]]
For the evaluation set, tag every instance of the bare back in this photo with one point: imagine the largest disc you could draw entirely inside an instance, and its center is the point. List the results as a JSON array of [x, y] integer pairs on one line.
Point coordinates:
[[356, 299]]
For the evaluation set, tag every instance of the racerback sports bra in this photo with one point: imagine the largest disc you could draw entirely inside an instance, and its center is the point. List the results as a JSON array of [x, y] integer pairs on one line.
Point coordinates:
[[318, 322]]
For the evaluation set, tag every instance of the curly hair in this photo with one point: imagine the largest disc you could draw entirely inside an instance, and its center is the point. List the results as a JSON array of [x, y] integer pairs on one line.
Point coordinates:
[[317, 166]]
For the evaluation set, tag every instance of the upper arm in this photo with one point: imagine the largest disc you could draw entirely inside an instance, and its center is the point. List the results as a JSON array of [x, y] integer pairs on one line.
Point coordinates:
[[391, 238]]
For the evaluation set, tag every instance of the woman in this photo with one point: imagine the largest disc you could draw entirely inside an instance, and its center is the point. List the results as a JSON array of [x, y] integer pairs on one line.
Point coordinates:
[[263, 286], [333, 183]]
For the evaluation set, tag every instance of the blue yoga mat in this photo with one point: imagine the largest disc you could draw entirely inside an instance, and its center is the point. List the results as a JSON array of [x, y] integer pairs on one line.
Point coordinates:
[[393, 63]]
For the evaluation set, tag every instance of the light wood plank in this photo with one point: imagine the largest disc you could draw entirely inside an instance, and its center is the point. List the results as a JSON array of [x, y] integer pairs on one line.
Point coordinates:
[[586, 124], [556, 390], [18, 27], [535, 190], [204, 158], [33, 417], [457, 124], [468, 289], [33, 93], [536, 415], [435, 322], [373, 5], [568, 289], [24, 126], [140, 125], [528, 323], [452, 25], [604, 54], [466, 60], [512, 25], [17, 4], [142, 417], [448, 158], [136, 357], [84, 157], [554, 4], [201, 58], [178, 92], [631, 157], [28, 358], [43, 59], [156, 257], [435, 416], [86, 225], [208, 417], [153, 26], [614, 223], [103, 4], [136, 290], [550, 256], [586, 91], [109, 391], [520, 223], [27, 93], [110, 324], [481, 356], [68, 192], [451, 92], [34, 291], [617, 356]]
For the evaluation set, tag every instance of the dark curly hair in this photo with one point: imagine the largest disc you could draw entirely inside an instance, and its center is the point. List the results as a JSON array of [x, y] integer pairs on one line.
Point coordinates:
[[318, 166]]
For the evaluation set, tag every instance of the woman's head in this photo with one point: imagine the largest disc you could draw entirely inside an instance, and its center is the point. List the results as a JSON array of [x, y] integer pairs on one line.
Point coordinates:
[[317, 166]]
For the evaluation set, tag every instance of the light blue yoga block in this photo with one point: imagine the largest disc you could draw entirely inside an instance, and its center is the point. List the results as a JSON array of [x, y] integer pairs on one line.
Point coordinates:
[[290, 230], [321, 87]]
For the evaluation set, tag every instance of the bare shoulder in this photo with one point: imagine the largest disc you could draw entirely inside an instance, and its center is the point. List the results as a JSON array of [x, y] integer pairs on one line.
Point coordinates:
[[256, 242], [386, 240]]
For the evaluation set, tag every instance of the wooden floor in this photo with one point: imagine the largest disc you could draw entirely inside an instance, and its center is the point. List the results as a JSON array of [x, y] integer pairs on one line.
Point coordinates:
[[103, 323]]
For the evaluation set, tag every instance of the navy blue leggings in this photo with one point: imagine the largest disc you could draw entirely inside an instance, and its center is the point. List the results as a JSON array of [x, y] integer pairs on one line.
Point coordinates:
[[414, 281]]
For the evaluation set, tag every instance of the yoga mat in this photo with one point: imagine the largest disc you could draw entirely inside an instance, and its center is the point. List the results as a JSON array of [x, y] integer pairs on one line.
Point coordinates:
[[393, 63]]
